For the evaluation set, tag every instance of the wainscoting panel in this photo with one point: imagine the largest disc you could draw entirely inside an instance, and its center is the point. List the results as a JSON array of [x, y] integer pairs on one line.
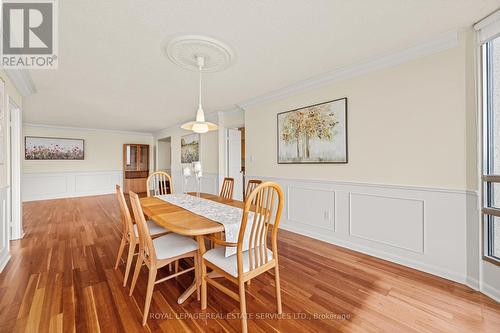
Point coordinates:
[[43, 186], [423, 228], [399, 222], [319, 213]]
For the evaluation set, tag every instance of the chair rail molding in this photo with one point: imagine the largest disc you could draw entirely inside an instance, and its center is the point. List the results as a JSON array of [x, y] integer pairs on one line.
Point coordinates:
[[422, 228]]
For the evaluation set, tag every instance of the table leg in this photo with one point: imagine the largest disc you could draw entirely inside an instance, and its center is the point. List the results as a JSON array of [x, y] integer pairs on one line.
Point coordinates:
[[197, 278]]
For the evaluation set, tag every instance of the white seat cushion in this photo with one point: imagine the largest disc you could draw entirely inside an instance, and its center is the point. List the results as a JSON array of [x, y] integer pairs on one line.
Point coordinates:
[[173, 245], [217, 256], [154, 229]]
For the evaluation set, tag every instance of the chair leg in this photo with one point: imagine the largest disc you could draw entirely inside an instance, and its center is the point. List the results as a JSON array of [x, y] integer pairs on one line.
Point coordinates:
[[249, 282], [120, 251], [243, 307], [278, 288], [176, 266], [149, 294], [131, 249], [138, 265], [203, 284]]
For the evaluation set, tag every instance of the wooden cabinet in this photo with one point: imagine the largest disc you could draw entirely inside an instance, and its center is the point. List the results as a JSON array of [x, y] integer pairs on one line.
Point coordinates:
[[135, 167]]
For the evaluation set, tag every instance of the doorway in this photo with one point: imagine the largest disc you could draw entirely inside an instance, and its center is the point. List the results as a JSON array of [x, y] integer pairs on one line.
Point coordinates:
[[15, 207], [164, 155], [236, 160]]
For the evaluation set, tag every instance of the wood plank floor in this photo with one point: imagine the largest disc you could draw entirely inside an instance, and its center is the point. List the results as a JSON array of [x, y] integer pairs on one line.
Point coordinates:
[[61, 279]]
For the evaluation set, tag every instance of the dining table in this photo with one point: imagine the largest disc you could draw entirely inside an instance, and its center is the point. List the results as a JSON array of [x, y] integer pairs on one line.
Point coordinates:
[[184, 222]]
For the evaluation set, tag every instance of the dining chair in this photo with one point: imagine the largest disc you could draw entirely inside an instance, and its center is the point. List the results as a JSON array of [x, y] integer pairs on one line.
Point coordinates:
[[252, 185], [257, 259], [159, 183], [130, 233], [157, 253], [226, 190]]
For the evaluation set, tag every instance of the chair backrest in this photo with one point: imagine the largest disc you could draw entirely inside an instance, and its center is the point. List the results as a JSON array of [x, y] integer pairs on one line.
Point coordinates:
[[159, 183], [126, 218], [268, 198], [145, 242], [252, 185], [226, 190]]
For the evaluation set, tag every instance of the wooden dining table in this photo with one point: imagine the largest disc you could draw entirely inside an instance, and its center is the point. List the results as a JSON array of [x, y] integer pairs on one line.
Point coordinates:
[[181, 221]]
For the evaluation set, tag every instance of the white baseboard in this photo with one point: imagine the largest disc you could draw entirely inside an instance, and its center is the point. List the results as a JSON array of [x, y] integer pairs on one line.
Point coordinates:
[[55, 185], [435, 270], [4, 259], [490, 292]]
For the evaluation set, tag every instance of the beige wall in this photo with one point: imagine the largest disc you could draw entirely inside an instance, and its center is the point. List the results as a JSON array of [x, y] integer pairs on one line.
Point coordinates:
[[103, 149], [406, 126]]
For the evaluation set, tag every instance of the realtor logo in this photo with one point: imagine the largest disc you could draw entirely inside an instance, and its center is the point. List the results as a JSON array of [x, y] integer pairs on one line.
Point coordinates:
[[29, 34]]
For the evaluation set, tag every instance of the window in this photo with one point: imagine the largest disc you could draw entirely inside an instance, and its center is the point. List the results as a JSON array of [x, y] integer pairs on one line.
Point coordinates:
[[491, 144]]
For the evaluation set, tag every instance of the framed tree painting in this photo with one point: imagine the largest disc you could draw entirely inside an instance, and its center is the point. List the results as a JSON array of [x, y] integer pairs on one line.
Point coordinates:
[[313, 134], [190, 148]]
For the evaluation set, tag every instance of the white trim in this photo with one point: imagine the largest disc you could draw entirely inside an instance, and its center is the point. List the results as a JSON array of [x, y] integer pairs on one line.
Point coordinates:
[[22, 80], [490, 291], [493, 17], [15, 148], [388, 186], [440, 44], [87, 129], [4, 259]]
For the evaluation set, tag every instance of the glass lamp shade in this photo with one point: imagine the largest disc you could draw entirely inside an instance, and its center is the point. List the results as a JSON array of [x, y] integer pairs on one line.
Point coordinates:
[[199, 126]]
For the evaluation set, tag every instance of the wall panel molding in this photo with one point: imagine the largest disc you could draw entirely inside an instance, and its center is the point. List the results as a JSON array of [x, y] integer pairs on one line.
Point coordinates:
[[54, 185], [422, 228]]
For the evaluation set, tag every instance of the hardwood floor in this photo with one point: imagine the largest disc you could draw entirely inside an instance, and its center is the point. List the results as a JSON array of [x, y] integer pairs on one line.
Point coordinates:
[[61, 279]]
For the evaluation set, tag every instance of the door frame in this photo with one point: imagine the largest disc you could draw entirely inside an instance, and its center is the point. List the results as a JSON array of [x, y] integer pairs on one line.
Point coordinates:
[[226, 155], [15, 150]]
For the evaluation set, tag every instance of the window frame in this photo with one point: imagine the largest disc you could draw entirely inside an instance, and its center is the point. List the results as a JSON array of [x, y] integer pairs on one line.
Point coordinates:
[[489, 212]]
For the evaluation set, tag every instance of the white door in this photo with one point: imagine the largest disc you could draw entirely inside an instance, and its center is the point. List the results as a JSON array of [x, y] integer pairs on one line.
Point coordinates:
[[234, 162], [15, 172]]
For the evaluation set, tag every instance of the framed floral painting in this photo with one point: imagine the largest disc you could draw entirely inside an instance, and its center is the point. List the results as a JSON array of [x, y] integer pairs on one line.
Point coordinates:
[[313, 134], [45, 148]]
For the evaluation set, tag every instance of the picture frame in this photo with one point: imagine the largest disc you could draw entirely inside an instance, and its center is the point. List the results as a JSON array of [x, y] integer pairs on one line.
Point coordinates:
[[314, 134], [53, 148], [190, 148]]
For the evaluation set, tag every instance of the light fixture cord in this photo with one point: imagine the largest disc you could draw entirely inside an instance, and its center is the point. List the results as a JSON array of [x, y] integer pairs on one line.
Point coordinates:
[[200, 66]]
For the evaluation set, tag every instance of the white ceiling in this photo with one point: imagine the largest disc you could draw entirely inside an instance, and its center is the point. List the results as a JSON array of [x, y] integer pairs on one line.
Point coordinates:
[[112, 73]]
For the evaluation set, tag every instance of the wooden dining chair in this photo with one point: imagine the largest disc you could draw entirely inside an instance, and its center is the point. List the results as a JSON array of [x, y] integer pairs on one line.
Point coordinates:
[[226, 190], [159, 183], [252, 185], [247, 264], [157, 253], [130, 233]]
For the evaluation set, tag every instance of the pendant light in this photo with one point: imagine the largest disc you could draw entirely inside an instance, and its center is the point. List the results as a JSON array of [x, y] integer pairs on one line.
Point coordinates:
[[199, 125]]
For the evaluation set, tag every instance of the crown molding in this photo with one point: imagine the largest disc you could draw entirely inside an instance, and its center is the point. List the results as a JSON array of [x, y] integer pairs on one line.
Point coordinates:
[[444, 42], [87, 129], [22, 80], [493, 17]]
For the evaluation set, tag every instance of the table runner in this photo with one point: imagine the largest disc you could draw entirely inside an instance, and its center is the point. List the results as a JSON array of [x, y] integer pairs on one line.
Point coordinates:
[[228, 216]]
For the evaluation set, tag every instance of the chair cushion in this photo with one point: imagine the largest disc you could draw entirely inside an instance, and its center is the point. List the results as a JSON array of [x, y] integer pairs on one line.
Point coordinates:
[[173, 245], [217, 256], [154, 229]]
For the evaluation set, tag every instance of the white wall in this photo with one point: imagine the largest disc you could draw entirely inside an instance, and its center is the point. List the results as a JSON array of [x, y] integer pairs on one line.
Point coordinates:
[[409, 191], [10, 92], [96, 174], [164, 155]]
